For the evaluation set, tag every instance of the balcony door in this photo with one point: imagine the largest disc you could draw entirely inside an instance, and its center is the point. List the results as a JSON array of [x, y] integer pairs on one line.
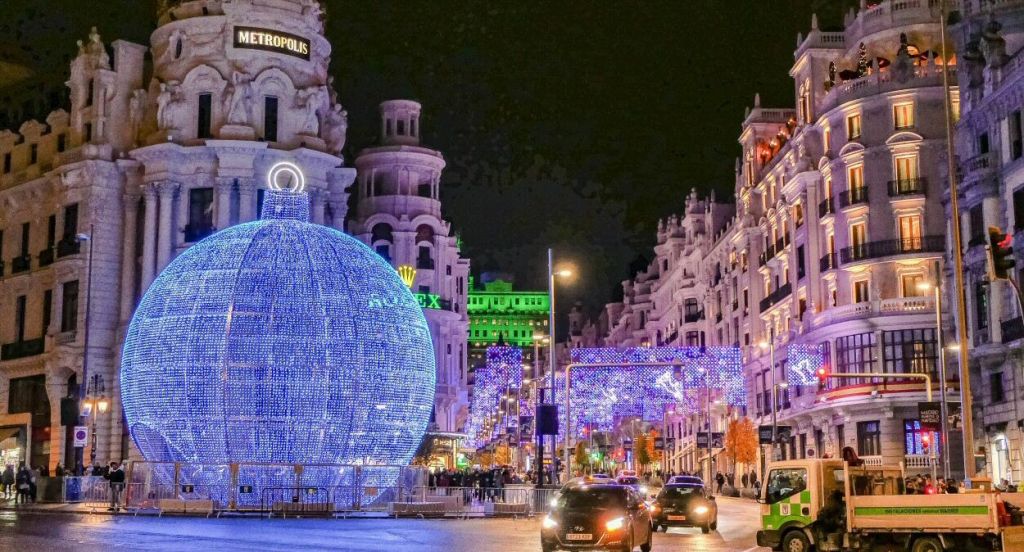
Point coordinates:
[[906, 174], [859, 240], [910, 233]]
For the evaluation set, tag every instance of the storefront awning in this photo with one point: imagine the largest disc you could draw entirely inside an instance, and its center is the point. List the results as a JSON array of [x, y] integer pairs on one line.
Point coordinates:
[[8, 432]]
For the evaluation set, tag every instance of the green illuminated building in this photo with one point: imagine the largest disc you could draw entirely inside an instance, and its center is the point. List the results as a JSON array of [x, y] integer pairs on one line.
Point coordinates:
[[499, 314]]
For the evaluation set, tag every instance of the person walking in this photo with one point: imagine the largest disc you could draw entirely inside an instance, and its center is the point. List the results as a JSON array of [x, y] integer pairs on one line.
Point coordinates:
[[744, 480], [115, 475], [8, 481], [720, 480], [22, 481]]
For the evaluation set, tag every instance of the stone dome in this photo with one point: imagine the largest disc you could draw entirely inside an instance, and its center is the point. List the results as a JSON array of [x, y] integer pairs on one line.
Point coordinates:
[[278, 341]]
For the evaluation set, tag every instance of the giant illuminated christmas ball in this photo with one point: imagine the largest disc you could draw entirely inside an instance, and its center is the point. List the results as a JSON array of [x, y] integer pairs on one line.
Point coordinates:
[[282, 342]]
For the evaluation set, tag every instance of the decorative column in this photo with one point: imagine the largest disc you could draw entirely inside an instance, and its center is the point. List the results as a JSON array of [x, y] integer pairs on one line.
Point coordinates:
[[165, 246], [338, 217], [149, 238], [246, 201], [319, 206], [131, 215], [224, 187]]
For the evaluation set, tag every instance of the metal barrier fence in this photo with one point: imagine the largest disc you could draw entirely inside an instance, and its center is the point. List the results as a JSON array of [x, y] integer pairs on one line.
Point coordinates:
[[362, 492]]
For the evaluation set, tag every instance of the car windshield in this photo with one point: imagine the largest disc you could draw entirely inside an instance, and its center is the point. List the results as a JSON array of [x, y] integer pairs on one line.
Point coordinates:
[[680, 491], [628, 481], [602, 498]]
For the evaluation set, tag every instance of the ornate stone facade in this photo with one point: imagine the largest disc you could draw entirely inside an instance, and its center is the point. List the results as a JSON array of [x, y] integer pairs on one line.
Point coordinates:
[[399, 215], [142, 169]]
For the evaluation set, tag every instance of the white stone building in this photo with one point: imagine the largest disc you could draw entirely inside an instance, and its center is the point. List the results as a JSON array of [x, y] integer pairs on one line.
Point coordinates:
[[159, 147], [989, 147], [839, 218], [399, 214]]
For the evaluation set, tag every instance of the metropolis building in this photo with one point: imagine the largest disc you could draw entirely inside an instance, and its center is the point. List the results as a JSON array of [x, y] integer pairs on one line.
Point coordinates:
[[839, 221], [160, 147]]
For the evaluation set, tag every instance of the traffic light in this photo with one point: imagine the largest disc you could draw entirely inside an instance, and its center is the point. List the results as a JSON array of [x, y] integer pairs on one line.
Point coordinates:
[[1000, 253], [822, 374]]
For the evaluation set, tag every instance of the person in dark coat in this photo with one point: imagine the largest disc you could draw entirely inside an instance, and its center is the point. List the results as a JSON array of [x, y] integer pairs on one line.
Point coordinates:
[[115, 475], [8, 481], [23, 481]]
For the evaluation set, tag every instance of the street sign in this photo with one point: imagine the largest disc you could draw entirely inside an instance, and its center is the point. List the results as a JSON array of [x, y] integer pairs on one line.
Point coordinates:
[[930, 415], [81, 436], [764, 434], [717, 439]]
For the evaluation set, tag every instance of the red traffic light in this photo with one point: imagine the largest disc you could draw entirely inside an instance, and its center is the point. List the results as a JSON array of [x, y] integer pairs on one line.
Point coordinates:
[[822, 373], [1000, 253]]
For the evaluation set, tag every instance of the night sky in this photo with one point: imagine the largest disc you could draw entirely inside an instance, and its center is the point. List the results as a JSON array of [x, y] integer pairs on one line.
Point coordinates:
[[574, 124]]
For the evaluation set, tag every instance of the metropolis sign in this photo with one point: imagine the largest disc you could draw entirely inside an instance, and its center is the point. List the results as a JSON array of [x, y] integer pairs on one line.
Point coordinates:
[[272, 41]]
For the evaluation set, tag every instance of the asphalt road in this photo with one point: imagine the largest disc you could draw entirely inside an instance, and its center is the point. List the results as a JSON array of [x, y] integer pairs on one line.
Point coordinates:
[[82, 533]]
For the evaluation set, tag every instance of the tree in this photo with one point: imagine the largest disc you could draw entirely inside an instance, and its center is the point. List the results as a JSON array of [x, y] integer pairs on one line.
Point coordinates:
[[741, 441], [581, 458], [643, 451]]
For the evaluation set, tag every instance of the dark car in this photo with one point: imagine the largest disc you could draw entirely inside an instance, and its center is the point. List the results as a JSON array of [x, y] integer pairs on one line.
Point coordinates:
[[684, 505], [601, 516], [685, 479]]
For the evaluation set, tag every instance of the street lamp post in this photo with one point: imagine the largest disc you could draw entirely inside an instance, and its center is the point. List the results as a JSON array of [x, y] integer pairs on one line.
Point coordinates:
[[551, 357], [770, 345], [98, 404], [943, 407], [83, 387]]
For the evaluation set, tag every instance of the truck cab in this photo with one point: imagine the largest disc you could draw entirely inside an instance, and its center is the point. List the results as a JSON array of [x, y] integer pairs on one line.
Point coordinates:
[[793, 495]]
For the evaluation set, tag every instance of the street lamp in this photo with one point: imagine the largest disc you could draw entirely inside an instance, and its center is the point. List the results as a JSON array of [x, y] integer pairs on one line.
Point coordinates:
[[943, 407], [97, 404], [563, 273], [83, 388], [770, 345]]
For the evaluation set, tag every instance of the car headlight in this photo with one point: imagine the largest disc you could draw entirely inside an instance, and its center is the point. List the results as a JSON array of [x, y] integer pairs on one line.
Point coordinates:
[[614, 524], [700, 510], [549, 523]]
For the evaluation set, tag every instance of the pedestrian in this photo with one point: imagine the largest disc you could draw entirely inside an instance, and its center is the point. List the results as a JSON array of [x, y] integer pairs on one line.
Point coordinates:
[[8, 481], [22, 481], [115, 475], [753, 478], [720, 480], [744, 480], [33, 478]]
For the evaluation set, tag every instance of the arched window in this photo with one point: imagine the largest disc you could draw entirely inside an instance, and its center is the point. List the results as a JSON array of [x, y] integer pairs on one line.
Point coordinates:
[[382, 232], [382, 239], [424, 233]]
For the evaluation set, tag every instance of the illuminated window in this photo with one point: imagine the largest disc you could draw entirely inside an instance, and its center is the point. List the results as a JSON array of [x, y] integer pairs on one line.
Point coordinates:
[[856, 177], [906, 170], [903, 115], [910, 233], [853, 127], [910, 285], [858, 235], [861, 292]]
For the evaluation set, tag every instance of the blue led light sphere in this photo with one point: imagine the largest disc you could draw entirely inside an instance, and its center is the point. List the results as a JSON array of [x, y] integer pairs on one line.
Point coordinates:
[[282, 342]]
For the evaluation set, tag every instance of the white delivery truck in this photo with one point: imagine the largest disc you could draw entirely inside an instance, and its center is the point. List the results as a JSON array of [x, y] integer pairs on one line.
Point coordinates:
[[828, 505]]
